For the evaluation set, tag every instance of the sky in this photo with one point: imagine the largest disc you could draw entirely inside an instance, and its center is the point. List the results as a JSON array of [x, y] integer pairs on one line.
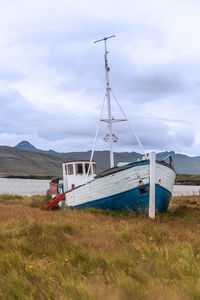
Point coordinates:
[[52, 76]]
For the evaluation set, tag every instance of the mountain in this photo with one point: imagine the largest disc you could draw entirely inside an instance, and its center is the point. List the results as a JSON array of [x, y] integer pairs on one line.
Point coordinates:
[[19, 162], [159, 156], [186, 165], [25, 145], [196, 158], [164, 155], [26, 160]]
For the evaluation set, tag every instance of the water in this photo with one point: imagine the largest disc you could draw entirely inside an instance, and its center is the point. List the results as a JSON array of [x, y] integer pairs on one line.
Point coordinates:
[[25, 187], [29, 187], [187, 190]]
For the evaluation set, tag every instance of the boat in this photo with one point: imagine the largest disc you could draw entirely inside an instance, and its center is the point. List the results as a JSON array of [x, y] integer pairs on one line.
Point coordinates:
[[139, 186]]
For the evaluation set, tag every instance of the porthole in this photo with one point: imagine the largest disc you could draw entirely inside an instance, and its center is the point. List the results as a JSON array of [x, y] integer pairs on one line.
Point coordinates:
[[143, 189]]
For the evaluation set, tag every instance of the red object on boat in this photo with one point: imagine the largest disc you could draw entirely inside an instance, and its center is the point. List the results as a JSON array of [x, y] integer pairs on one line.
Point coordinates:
[[52, 203], [53, 188]]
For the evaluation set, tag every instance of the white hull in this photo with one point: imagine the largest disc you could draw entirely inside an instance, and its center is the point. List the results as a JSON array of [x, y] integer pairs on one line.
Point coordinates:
[[119, 182]]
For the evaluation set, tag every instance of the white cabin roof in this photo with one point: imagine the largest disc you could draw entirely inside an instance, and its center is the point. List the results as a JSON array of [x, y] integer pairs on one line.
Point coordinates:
[[78, 161]]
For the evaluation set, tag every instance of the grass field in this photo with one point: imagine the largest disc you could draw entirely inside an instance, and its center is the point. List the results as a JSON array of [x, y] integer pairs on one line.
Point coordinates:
[[93, 254], [188, 179]]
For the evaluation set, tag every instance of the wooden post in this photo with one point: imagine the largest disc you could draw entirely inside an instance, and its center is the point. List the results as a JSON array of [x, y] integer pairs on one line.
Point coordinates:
[[152, 185]]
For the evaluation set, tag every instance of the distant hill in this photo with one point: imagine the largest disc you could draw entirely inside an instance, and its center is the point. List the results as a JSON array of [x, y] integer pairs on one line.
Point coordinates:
[[18, 162], [26, 160], [25, 145], [22, 162], [196, 158]]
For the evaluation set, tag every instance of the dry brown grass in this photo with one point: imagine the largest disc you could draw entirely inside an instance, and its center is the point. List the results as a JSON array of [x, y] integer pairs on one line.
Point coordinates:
[[67, 254], [187, 202]]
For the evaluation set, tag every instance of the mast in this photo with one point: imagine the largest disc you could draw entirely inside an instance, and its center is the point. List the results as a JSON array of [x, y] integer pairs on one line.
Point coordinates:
[[109, 120], [110, 137]]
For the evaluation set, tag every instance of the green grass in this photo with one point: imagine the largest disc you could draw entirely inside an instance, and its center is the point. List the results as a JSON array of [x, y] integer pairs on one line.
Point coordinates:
[[4, 197], [94, 254]]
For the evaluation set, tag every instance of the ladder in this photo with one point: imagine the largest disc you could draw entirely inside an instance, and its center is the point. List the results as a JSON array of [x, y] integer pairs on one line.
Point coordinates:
[[52, 203]]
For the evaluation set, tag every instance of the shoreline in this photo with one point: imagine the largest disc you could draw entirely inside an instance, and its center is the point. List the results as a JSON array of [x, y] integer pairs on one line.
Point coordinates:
[[39, 177], [181, 179]]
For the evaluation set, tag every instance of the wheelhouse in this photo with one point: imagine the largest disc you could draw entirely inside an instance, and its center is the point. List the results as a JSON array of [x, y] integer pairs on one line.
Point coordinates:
[[76, 172]]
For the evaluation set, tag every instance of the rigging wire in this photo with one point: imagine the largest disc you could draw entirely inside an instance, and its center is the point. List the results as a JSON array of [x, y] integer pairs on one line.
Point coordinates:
[[131, 127], [95, 139]]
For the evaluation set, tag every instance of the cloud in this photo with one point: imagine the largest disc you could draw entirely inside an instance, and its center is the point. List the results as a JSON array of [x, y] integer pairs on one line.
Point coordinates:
[[10, 75], [52, 77], [18, 116]]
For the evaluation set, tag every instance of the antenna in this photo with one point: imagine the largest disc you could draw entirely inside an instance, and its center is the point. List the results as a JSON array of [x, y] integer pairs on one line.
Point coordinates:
[[104, 39]]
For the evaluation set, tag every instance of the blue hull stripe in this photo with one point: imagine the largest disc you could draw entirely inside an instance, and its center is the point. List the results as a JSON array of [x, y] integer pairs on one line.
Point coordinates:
[[136, 199]]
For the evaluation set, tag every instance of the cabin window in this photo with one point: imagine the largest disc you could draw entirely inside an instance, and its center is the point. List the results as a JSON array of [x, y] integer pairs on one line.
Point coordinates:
[[70, 169], [79, 169], [94, 168], [86, 169]]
